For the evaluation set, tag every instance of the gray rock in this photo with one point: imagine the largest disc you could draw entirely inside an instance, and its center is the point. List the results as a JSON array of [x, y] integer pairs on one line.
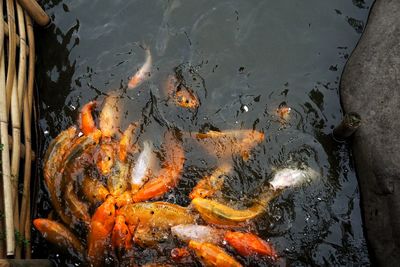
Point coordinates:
[[370, 86]]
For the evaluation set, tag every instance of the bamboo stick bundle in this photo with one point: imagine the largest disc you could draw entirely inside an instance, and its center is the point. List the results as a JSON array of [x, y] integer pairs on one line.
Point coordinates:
[[5, 156]]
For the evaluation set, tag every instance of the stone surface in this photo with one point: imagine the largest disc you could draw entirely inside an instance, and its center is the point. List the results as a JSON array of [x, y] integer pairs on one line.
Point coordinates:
[[371, 86]]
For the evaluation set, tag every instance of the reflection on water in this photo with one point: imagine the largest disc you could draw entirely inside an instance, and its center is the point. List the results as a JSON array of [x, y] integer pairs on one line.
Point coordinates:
[[242, 59]]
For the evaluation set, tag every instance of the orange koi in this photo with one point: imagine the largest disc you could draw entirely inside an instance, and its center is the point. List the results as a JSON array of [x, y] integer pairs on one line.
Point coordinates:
[[218, 213], [143, 73], [121, 236], [101, 227], [183, 96], [209, 185], [59, 235], [249, 244], [126, 144], [87, 123], [212, 255], [229, 142]]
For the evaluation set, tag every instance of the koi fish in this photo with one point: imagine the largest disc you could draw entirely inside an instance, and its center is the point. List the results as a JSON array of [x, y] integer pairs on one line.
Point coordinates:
[[199, 233], [121, 237], [87, 123], [94, 190], [168, 176], [283, 112], [150, 222], [228, 142], [143, 73], [53, 164], [181, 94], [209, 185], [217, 213], [110, 116], [142, 167], [291, 177], [59, 235], [126, 144], [212, 255], [249, 244], [101, 227]]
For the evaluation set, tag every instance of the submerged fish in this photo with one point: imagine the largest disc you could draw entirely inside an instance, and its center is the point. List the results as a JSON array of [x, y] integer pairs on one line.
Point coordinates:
[[164, 31], [291, 177]]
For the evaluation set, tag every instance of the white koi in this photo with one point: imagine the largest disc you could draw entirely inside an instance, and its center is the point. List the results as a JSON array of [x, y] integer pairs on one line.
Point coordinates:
[[291, 177], [142, 166], [199, 233], [143, 73]]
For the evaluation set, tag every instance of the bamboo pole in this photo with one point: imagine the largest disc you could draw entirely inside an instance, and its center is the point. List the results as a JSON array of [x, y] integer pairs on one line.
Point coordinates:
[[28, 246], [35, 11], [15, 155], [22, 55], [31, 70], [2, 208], [19, 87], [8, 209], [27, 170], [25, 220], [11, 51], [2, 231]]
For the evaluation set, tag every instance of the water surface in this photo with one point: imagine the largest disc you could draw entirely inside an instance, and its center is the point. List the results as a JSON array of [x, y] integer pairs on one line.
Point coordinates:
[[243, 58]]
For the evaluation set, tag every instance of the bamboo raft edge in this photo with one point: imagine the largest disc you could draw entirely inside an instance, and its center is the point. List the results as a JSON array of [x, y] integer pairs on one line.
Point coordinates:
[[17, 70]]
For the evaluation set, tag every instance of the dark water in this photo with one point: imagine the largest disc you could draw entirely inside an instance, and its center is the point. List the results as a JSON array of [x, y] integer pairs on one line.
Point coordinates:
[[243, 58]]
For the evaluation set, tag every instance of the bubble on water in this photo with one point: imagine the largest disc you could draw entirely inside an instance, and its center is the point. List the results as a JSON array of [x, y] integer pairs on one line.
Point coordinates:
[[80, 134], [72, 107], [46, 132]]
